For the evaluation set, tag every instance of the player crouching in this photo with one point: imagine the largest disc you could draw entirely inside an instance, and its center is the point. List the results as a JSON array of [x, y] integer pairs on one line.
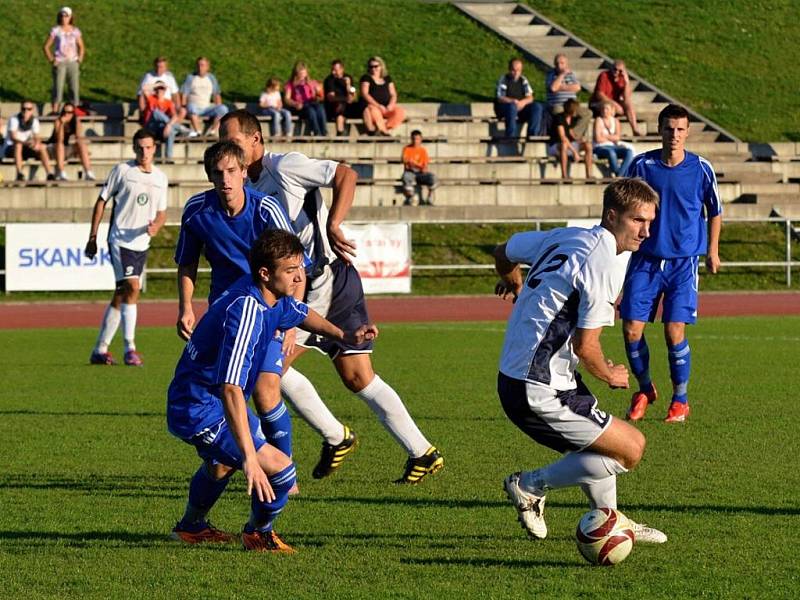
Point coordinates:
[[560, 310], [207, 399]]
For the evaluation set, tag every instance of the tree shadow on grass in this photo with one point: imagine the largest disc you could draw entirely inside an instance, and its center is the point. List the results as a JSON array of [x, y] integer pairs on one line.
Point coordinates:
[[120, 486], [87, 413], [470, 503], [490, 562]]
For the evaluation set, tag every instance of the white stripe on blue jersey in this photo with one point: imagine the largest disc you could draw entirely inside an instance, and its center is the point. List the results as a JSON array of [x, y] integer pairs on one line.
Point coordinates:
[[711, 176], [272, 207], [240, 346]]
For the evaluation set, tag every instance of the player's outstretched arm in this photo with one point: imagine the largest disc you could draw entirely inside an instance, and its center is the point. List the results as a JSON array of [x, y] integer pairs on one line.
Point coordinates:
[[235, 408], [344, 190], [510, 275], [317, 324], [586, 344], [187, 275]]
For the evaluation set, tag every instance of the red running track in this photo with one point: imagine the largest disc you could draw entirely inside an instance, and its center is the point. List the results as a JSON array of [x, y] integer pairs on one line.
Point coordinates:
[[24, 315]]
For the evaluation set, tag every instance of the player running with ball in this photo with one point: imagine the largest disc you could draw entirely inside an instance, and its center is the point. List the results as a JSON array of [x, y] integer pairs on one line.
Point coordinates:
[[560, 309]]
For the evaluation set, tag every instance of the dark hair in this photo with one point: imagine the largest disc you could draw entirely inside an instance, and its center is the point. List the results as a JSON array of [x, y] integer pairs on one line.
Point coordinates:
[[624, 193], [70, 18], [271, 246], [672, 111], [337, 61], [247, 121], [571, 107], [416, 132], [144, 133], [514, 59], [159, 59], [220, 150]]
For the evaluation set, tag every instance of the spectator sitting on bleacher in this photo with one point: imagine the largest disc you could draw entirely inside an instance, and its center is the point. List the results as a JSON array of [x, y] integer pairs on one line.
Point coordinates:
[[60, 144], [614, 86], [415, 173], [67, 57], [271, 105], [201, 93], [22, 140], [161, 116], [160, 73], [514, 102], [340, 96], [381, 112], [302, 95], [562, 85], [607, 142], [565, 142]]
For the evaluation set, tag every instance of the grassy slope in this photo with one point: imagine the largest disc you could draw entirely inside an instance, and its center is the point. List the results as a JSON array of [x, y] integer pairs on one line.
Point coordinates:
[[732, 61], [426, 46], [92, 482]]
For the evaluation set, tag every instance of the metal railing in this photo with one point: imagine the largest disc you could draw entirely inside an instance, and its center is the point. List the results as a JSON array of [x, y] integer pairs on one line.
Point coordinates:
[[787, 264]]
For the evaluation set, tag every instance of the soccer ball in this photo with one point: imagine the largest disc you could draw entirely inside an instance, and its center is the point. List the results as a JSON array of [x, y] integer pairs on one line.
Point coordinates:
[[604, 536]]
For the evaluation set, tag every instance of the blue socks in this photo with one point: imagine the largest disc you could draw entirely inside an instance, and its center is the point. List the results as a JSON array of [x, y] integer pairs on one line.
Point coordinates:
[[680, 362], [276, 425], [264, 513], [639, 359], [204, 491]]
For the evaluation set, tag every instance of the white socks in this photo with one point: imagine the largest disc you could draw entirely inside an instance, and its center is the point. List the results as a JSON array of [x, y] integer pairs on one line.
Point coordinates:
[[108, 327], [128, 312], [391, 411], [595, 473], [297, 389]]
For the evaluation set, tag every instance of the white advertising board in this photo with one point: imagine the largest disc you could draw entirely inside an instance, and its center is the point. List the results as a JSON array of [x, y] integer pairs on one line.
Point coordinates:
[[49, 257], [383, 256]]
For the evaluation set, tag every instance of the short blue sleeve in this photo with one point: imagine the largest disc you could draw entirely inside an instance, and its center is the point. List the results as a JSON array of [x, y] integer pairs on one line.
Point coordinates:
[[293, 312]]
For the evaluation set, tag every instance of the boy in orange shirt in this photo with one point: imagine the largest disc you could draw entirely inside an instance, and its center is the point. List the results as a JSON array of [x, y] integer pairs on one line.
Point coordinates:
[[415, 163]]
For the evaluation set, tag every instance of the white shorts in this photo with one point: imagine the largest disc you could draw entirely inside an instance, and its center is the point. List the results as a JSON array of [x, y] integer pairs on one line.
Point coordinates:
[[564, 420]]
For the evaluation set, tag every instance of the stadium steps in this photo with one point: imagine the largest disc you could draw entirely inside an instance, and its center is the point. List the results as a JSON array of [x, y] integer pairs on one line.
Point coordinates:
[[540, 39]]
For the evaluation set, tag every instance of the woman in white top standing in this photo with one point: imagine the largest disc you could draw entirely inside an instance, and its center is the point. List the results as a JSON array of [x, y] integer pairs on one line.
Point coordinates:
[[67, 56], [607, 142]]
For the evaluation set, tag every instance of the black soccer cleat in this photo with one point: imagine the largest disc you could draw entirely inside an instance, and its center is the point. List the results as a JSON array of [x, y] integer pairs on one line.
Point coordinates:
[[332, 457], [417, 468]]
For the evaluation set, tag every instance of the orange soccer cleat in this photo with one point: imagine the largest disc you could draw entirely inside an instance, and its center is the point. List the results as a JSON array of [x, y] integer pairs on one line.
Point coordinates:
[[678, 412], [639, 402]]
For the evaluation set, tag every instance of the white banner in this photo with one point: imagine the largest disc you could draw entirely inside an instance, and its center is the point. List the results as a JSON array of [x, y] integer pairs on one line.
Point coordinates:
[[383, 256], [49, 257]]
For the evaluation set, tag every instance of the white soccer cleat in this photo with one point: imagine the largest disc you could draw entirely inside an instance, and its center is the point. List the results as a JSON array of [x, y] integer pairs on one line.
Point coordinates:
[[648, 535], [530, 507]]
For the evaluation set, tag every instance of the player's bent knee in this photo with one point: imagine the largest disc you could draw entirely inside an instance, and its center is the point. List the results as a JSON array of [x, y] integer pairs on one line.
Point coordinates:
[[267, 393], [218, 471], [272, 460]]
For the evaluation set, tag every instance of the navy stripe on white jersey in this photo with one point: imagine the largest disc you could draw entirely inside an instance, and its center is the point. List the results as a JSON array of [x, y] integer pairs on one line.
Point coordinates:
[[244, 334]]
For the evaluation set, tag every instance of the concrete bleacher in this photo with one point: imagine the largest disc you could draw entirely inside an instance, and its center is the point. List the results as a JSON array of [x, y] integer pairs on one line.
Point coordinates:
[[482, 174]]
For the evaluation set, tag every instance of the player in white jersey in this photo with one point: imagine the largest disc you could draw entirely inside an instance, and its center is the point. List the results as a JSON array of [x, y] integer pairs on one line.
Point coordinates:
[[139, 190], [560, 309], [335, 291]]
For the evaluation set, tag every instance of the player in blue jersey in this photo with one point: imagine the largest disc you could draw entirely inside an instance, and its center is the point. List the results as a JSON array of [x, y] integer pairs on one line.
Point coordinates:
[[560, 309], [222, 224], [687, 226], [335, 291], [217, 372]]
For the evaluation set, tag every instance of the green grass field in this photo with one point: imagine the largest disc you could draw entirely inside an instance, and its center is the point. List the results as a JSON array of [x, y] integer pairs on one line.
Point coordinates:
[[92, 482]]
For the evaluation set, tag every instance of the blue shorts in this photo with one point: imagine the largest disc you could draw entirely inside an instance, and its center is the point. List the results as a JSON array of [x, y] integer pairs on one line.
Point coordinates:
[[273, 359], [217, 444], [650, 278]]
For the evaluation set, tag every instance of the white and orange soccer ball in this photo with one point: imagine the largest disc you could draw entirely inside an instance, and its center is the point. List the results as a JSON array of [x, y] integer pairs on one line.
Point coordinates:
[[605, 536]]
